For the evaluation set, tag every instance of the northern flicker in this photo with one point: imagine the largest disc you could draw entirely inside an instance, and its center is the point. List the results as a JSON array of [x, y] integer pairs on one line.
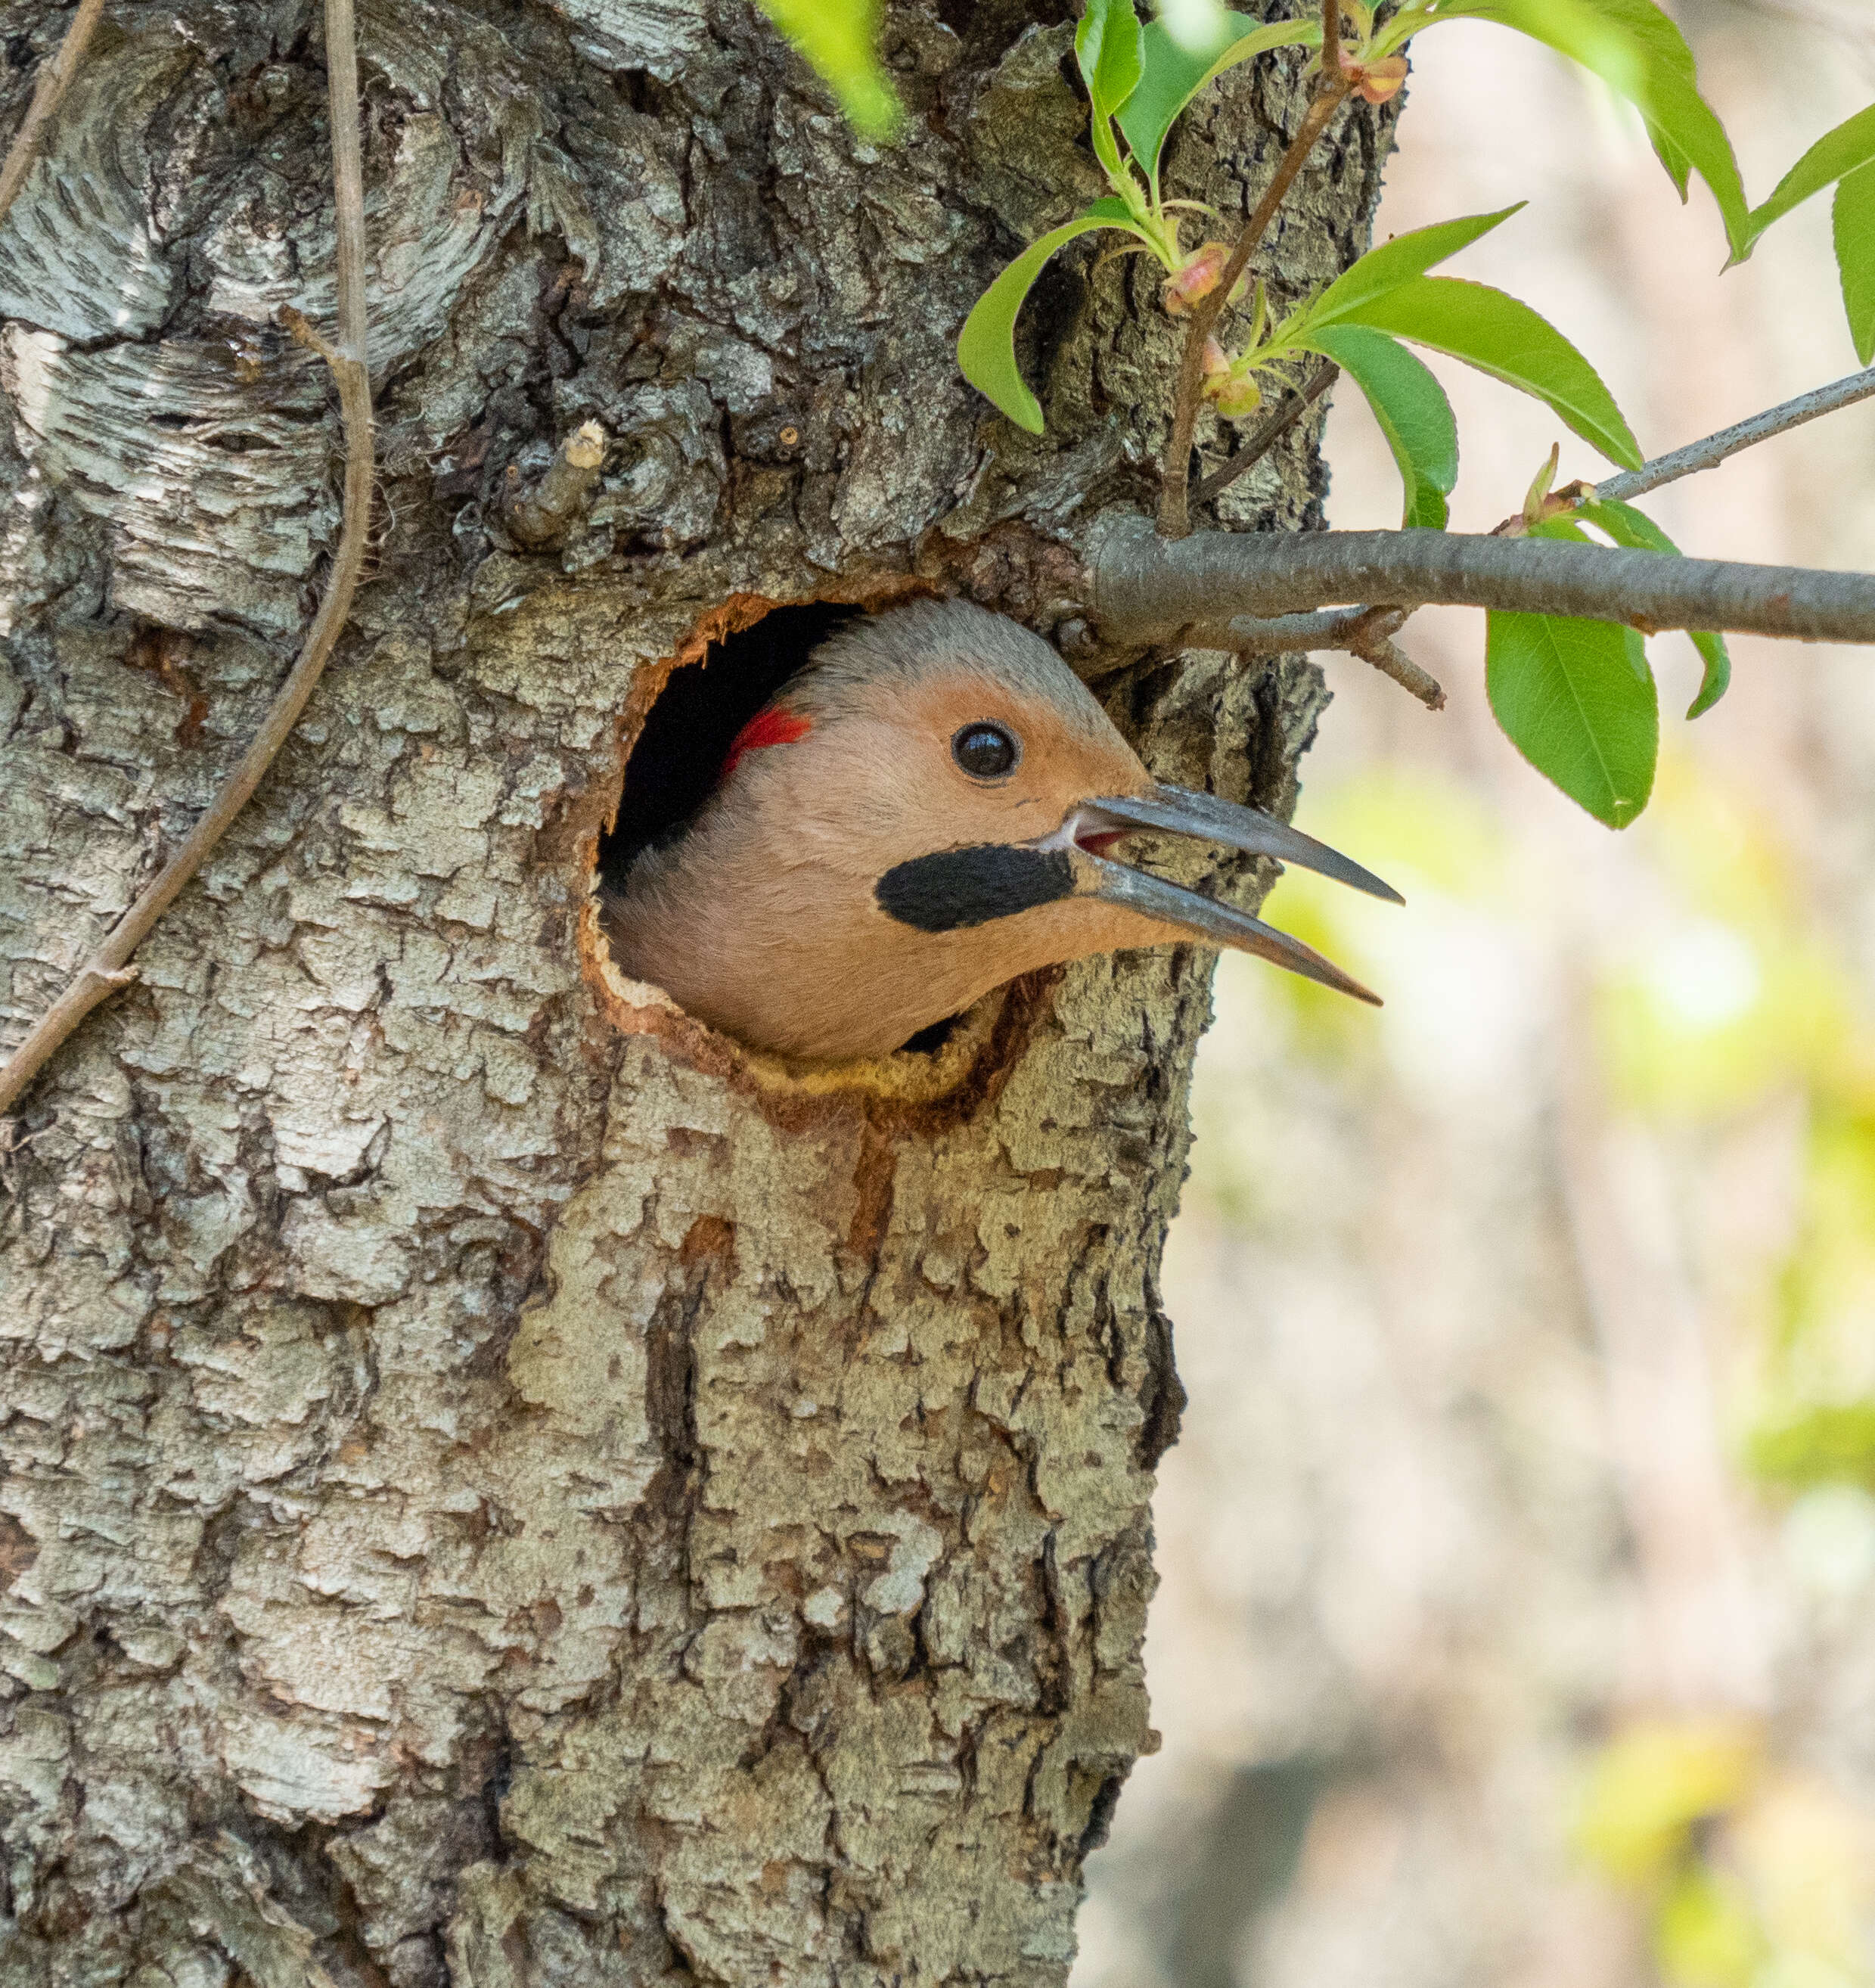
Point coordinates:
[[922, 812]]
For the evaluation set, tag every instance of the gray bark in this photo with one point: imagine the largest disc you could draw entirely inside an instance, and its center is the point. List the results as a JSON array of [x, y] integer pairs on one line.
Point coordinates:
[[498, 1486]]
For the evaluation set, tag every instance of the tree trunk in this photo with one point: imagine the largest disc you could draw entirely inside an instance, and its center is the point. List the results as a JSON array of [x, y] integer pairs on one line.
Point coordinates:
[[497, 1486]]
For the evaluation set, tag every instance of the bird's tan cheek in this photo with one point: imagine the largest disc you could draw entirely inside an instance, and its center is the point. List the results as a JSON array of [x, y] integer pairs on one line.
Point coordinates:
[[1048, 935]]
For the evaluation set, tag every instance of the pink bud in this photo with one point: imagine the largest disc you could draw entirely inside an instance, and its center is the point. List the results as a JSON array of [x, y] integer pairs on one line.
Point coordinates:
[[1194, 278], [1217, 365]]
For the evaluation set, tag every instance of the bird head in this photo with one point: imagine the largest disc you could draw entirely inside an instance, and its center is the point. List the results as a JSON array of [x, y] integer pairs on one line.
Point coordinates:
[[925, 811]]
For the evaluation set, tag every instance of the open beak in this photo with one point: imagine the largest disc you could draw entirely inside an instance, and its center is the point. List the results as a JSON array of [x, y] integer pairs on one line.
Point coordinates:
[[1173, 810]]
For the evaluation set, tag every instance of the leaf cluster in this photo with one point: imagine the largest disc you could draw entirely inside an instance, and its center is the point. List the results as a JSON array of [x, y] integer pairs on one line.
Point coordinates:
[[1577, 698]]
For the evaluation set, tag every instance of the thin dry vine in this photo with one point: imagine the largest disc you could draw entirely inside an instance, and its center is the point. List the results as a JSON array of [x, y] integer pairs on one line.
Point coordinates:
[[109, 968], [55, 79]]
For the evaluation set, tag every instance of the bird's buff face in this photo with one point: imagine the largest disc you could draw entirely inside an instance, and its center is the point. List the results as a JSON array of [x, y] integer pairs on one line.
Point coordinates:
[[898, 783], [928, 812]]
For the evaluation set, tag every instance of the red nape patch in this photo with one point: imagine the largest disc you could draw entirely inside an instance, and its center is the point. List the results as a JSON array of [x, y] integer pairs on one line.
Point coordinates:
[[777, 725]]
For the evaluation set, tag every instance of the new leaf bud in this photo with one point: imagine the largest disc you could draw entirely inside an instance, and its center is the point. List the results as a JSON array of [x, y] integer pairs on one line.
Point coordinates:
[[1230, 385], [1197, 277]]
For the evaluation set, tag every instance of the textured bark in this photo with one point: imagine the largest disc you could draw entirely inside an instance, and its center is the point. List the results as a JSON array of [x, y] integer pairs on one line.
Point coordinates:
[[496, 1486]]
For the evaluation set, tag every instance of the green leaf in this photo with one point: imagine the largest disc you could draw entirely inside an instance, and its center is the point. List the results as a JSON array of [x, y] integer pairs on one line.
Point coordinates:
[[1508, 340], [1577, 699], [1637, 51], [1626, 526], [1846, 156], [840, 39], [1411, 408], [1106, 45], [1172, 74], [1597, 43], [1855, 256], [986, 346], [1837, 154], [1638, 531], [1394, 263]]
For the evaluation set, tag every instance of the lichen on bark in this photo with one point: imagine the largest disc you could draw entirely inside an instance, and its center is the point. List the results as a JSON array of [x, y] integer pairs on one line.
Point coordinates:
[[488, 1495]]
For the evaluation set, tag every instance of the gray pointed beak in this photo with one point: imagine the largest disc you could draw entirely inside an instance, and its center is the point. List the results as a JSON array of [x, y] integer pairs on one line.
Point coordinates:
[[1172, 811]]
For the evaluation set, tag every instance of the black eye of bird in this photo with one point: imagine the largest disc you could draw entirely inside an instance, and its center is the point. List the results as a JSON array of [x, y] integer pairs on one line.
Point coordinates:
[[985, 752]]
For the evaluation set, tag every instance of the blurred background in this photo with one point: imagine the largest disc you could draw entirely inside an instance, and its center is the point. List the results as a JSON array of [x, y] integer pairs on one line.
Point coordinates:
[[1517, 1622]]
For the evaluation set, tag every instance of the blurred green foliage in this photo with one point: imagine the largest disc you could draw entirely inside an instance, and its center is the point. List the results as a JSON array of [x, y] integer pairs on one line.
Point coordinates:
[[840, 38], [1716, 1002], [1756, 1877], [1705, 1933], [1743, 1003], [1727, 999], [1832, 1443], [1648, 1791]]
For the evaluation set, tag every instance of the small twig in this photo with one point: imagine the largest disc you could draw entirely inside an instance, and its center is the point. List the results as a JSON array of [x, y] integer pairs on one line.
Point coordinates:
[[1331, 88], [303, 331], [1374, 644], [1365, 632], [1265, 436], [1710, 453], [1696, 456], [55, 79], [1146, 587], [109, 967], [542, 516]]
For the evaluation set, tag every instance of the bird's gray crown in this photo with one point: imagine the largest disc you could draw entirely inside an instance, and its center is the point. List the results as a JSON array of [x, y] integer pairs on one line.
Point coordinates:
[[928, 638]]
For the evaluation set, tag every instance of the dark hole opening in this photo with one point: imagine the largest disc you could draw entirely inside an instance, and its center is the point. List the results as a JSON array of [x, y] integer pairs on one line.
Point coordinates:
[[932, 1038], [674, 764], [688, 732]]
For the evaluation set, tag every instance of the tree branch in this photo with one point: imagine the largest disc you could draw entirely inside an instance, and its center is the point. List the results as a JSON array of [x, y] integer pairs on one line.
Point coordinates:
[[54, 80], [1283, 634], [1266, 435], [109, 967], [1331, 89], [1709, 454], [1147, 588]]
